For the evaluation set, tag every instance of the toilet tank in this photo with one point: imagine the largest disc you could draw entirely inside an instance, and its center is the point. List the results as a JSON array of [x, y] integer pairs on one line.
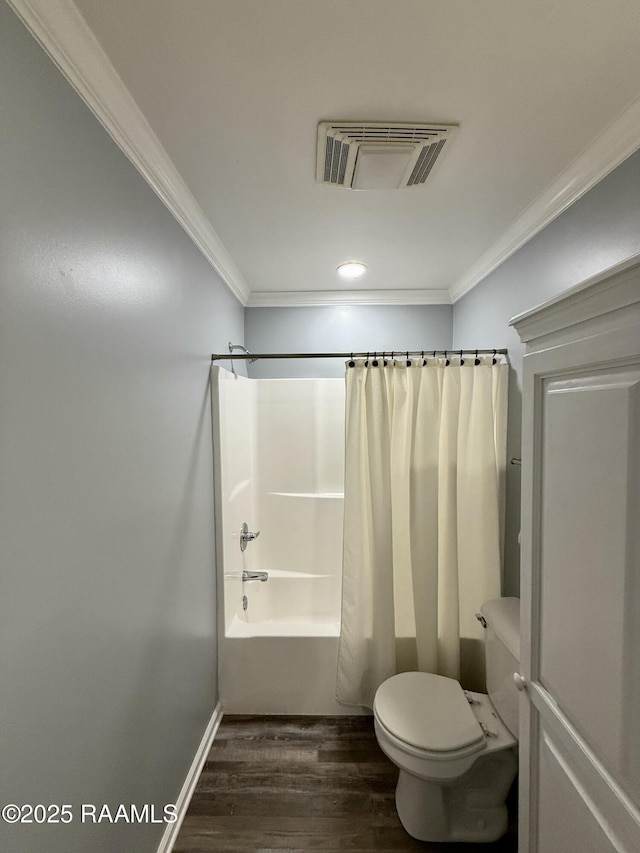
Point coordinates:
[[502, 657]]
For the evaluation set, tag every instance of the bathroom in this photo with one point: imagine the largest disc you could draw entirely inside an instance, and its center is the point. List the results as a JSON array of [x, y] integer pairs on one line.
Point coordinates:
[[115, 291]]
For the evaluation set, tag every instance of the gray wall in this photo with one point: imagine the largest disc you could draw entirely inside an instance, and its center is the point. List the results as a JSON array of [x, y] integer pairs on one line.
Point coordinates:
[[343, 328], [600, 230], [108, 315]]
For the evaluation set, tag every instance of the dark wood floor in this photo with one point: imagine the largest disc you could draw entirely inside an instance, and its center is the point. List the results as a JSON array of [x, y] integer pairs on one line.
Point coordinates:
[[288, 784]]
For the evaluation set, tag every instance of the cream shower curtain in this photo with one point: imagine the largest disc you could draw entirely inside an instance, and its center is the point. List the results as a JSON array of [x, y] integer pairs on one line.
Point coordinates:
[[423, 520]]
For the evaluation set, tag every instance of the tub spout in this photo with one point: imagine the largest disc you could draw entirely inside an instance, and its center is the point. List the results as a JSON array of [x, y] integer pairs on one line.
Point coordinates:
[[255, 576]]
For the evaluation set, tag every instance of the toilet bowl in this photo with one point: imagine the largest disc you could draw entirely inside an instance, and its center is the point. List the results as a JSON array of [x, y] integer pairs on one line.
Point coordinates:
[[456, 750]]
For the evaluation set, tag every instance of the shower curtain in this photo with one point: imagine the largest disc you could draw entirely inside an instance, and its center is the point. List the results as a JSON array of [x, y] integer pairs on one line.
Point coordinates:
[[423, 520]]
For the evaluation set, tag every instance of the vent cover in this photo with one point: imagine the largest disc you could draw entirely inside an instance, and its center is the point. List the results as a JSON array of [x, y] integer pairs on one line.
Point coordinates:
[[379, 155]]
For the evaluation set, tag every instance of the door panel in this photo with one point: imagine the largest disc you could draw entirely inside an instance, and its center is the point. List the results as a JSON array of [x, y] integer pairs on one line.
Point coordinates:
[[575, 826], [589, 423]]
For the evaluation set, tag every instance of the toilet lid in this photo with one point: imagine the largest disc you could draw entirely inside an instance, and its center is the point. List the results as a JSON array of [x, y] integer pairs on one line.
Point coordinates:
[[427, 711]]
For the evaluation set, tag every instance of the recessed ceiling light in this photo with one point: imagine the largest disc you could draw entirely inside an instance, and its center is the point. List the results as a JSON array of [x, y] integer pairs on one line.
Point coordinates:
[[352, 269]]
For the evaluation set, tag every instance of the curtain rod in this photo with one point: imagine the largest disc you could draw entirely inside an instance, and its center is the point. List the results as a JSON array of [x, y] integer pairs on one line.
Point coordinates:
[[425, 353]]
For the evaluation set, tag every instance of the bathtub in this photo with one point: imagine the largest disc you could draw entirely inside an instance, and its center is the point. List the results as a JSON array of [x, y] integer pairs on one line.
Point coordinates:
[[280, 654]]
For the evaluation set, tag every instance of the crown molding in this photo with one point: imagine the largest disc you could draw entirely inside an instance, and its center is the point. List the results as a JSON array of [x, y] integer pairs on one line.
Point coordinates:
[[301, 298], [620, 139], [65, 36]]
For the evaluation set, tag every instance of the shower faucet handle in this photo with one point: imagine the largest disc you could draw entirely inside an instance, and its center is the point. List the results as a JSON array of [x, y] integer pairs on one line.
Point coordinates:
[[247, 536]]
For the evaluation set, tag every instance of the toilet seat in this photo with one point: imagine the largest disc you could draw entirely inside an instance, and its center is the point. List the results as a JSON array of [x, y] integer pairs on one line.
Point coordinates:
[[429, 715]]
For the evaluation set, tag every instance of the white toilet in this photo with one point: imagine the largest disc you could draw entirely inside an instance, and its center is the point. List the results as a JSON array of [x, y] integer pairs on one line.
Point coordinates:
[[456, 750]]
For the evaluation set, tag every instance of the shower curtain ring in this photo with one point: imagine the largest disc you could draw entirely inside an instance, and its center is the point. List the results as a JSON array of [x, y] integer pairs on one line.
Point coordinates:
[[375, 359], [446, 359], [477, 361], [352, 362], [461, 359], [495, 360], [408, 360]]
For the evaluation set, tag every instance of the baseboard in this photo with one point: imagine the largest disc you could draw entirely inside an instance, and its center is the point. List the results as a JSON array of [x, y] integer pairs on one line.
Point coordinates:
[[184, 797]]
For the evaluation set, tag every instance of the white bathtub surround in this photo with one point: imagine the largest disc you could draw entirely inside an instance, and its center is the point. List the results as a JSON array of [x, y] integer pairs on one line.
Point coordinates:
[[290, 602], [425, 463], [279, 456]]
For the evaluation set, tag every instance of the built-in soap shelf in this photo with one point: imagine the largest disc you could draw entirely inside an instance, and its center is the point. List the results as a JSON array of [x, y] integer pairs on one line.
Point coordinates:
[[325, 495]]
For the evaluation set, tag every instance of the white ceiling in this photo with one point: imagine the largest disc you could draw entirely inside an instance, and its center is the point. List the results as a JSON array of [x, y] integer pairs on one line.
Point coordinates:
[[545, 95]]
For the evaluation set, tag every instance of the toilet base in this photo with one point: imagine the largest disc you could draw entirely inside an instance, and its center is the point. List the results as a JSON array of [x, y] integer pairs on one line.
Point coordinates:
[[472, 809]]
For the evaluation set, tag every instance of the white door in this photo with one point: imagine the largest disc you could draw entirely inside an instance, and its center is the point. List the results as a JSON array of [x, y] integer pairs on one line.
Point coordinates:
[[580, 657]]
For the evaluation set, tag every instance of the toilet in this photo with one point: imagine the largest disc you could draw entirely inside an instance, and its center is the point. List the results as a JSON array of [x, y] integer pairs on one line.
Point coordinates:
[[456, 750]]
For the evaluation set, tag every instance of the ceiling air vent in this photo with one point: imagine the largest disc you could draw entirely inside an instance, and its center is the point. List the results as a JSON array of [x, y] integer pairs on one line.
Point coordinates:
[[370, 155]]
